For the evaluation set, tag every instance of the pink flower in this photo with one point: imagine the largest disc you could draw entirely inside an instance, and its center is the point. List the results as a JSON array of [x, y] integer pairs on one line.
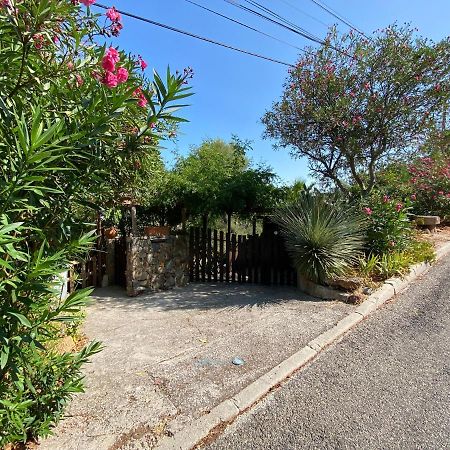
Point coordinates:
[[392, 244], [110, 60], [87, 2], [368, 211], [70, 65], [142, 102], [413, 197], [367, 85], [79, 79], [441, 193], [140, 95], [143, 64], [398, 206], [5, 3], [55, 39], [386, 198], [108, 64], [109, 80], [113, 54], [113, 15], [122, 75], [437, 88]]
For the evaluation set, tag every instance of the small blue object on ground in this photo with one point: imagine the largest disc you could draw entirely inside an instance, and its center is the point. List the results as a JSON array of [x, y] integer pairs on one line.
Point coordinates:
[[238, 361]]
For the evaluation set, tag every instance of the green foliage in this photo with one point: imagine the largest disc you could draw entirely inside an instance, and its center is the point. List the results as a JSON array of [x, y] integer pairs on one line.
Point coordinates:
[[67, 143], [324, 236], [389, 228], [386, 265], [353, 104], [430, 184]]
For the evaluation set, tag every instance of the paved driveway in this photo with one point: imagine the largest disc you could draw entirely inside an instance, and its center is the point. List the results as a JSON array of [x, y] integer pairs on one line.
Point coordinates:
[[168, 356]]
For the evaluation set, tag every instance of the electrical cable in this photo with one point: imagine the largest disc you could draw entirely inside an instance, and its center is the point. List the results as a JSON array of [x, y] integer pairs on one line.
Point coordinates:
[[196, 36], [245, 25], [338, 16]]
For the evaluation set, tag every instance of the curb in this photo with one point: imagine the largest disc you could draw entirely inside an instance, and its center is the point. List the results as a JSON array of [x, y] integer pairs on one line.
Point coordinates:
[[226, 411]]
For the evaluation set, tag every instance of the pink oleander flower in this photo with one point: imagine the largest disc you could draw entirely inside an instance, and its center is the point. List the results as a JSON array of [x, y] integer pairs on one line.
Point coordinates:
[[5, 3], [55, 39], [113, 15], [79, 80], [140, 95], [109, 80], [368, 211], [122, 75], [413, 197], [113, 54], [87, 2], [142, 63], [110, 60], [398, 206], [386, 198], [441, 192]]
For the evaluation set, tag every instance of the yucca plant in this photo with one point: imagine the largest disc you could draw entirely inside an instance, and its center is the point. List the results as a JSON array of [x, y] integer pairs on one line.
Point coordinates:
[[323, 235]]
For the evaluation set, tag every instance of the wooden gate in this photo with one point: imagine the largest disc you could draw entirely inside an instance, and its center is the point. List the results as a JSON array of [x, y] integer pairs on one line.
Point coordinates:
[[224, 257]]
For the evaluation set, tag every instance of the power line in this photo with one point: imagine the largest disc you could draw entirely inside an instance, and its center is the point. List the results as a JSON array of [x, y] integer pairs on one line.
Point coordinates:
[[287, 25], [338, 16], [300, 32], [196, 36], [305, 13], [245, 25]]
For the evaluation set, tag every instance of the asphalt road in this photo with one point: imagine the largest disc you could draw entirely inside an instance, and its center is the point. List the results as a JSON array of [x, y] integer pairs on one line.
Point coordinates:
[[386, 385]]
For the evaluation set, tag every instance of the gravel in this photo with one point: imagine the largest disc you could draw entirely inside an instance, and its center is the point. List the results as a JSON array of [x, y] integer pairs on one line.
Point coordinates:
[[386, 385]]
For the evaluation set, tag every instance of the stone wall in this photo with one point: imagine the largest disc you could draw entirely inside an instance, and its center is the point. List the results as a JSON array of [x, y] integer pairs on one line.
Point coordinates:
[[156, 263]]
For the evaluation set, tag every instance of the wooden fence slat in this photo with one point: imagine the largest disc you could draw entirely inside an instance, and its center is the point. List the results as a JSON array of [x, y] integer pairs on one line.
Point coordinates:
[[245, 259], [228, 257], [233, 257], [215, 260], [238, 248], [209, 260], [197, 254], [221, 255], [203, 253], [191, 254]]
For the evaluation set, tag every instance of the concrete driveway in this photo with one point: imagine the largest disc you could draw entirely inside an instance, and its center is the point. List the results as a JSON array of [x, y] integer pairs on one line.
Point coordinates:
[[168, 357]]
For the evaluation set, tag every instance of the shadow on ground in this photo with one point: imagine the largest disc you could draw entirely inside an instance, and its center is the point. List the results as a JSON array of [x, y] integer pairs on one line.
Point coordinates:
[[202, 296]]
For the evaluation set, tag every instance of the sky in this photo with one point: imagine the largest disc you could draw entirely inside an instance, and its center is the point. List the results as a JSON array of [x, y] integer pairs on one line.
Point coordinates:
[[232, 90]]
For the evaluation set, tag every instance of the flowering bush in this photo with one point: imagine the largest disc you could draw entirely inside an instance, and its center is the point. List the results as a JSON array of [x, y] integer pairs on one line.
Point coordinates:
[[71, 130], [389, 228], [430, 181]]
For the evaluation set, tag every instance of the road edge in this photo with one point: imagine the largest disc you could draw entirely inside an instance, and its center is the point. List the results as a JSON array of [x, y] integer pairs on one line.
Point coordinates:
[[226, 411]]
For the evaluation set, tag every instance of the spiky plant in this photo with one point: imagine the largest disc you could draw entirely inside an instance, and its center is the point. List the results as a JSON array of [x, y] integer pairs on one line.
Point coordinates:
[[323, 235]]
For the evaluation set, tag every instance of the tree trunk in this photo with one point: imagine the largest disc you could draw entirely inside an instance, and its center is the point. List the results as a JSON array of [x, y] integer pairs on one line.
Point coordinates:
[[229, 214]]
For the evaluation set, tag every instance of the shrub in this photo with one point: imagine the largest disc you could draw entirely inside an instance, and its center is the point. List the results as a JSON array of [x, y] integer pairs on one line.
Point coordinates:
[[389, 229], [430, 181], [324, 236], [383, 266], [67, 116]]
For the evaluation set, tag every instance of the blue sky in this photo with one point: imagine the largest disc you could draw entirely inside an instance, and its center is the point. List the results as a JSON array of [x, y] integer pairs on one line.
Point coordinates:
[[232, 90]]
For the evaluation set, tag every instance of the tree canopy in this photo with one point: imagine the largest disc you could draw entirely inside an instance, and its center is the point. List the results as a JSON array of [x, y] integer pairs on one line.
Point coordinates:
[[356, 102]]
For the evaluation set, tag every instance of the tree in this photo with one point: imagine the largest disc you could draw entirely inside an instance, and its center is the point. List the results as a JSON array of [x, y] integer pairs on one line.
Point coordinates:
[[355, 103], [202, 175], [74, 114]]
